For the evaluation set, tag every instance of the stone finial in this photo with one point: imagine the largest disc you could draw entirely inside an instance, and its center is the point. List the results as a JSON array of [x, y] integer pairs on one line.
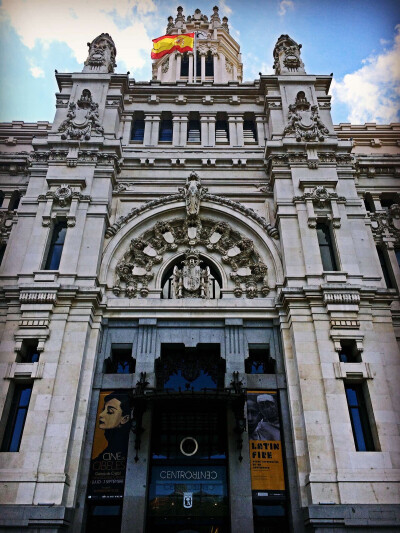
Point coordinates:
[[225, 24], [287, 58], [170, 25], [102, 54], [214, 19], [180, 17]]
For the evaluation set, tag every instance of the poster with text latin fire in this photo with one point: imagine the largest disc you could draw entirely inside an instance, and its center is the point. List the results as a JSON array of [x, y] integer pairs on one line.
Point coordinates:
[[265, 445], [110, 446]]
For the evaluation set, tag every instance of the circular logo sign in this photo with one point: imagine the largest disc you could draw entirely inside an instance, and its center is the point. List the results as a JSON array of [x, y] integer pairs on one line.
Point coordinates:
[[189, 446]]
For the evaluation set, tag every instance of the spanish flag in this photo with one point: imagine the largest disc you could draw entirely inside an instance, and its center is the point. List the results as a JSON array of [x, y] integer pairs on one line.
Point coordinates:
[[168, 43]]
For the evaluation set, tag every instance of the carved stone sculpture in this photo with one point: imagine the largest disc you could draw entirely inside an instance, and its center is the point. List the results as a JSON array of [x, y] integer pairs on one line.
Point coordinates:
[[102, 54], [82, 118], [287, 58], [304, 121], [191, 281], [193, 191]]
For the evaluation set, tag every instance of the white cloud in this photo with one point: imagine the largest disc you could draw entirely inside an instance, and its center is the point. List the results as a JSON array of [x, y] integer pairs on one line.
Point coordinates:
[[37, 72], [78, 21], [372, 93], [284, 5], [224, 9]]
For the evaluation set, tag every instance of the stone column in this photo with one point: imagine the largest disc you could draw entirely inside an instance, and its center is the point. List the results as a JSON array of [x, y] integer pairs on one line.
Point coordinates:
[[203, 67], [127, 128], [235, 130], [178, 66], [190, 80], [151, 129], [179, 135], [260, 125], [208, 130], [216, 65]]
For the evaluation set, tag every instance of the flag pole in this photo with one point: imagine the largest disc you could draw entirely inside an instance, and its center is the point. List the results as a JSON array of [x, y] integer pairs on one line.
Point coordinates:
[[194, 58]]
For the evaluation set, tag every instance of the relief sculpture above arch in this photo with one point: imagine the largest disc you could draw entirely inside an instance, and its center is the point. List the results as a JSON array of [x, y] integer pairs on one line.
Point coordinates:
[[136, 268]]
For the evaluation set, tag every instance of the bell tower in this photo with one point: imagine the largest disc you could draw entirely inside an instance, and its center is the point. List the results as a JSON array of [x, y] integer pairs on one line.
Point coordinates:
[[216, 59]]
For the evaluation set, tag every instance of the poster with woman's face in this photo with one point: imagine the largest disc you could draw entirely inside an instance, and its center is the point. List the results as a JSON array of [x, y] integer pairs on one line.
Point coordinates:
[[110, 445]]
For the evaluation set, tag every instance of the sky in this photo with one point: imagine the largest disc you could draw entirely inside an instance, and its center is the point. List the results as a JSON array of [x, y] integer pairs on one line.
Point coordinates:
[[357, 40]]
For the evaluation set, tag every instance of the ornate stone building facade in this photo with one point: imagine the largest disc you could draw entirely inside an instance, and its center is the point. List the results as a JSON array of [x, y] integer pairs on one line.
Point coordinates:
[[199, 304]]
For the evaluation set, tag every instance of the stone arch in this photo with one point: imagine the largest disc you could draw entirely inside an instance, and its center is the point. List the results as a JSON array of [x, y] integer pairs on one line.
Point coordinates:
[[249, 233]]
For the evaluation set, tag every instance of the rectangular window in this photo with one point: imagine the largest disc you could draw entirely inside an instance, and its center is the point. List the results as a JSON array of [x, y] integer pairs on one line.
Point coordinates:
[[29, 351], [349, 352], [56, 246], [359, 418], [138, 130], [2, 251], [385, 269], [16, 418], [326, 247], [121, 360], [166, 128], [249, 132], [398, 256], [259, 360], [194, 135]]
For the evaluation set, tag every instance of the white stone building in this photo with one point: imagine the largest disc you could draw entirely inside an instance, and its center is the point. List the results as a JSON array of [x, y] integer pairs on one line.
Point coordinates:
[[217, 258]]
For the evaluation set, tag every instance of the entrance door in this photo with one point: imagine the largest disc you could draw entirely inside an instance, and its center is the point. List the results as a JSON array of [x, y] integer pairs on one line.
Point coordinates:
[[188, 490]]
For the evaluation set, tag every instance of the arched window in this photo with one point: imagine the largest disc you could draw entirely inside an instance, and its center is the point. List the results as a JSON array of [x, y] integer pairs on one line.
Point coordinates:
[[215, 280], [209, 64], [184, 65]]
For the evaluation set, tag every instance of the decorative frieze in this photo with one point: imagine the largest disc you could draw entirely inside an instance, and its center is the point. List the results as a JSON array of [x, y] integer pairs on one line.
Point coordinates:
[[38, 297], [386, 225], [320, 197], [342, 298]]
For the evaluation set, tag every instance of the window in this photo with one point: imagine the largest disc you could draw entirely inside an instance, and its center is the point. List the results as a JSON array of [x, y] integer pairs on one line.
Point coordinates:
[[349, 352], [1, 198], [326, 247], [166, 128], [387, 200], [359, 418], [29, 351], [221, 130], [249, 131], [194, 135], [16, 418], [56, 246], [2, 251], [385, 269], [121, 360], [138, 128], [397, 252], [180, 368], [259, 360], [14, 201], [369, 204], [209, 64], [104, 518], [184, 65]]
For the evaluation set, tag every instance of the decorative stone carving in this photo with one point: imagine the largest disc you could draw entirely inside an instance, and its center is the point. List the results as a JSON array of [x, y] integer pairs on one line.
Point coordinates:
[[342, 298], [287, 56], [191, 281], [121, 187], [303, 123], [225, 24], [198, 15], [102, 53], [136, 266], [170, 25], [63, 195], [82, 118], [319, 196], [386, 225], [165, 66], [38, 297], [193, 192], [237, 206]]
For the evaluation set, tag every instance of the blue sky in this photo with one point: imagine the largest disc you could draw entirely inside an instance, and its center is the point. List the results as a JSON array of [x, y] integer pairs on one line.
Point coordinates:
[[357, 40]]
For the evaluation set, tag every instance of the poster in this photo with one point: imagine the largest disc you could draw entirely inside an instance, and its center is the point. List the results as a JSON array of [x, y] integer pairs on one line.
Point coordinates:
[[265, 444], [110, 445]]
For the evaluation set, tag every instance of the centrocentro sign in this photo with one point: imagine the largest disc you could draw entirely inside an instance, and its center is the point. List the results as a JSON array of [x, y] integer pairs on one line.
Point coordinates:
[[189, 474]]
